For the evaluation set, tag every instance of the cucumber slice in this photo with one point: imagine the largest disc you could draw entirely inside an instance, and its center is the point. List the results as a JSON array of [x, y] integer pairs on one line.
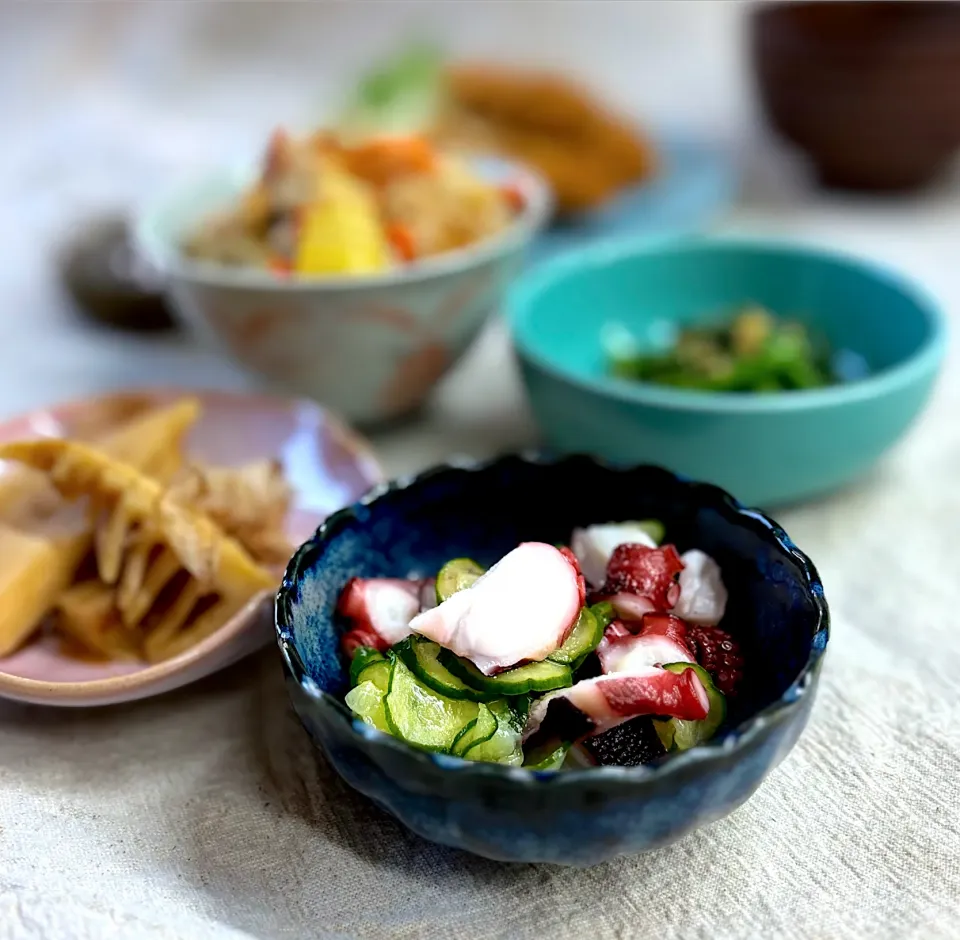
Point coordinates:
[[505, 712], [679, 735], [654, 528], [521, 708], [419, 655], [421, 716], [366, 702], [456, 575], [548, 756], [504, 745], [481, 729], [532, 677], [376, 671], [605, 613], [362, 657], [581, 641]]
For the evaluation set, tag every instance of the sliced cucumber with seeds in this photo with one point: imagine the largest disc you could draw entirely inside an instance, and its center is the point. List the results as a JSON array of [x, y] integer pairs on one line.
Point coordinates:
[[581, 641], [481, 729], [362, 657], [605, 613], [366, 702], [679, 735], [504, 746], [456, 575], [520, 705], [420, 656], [548, 756], [505, 712], [532, 677], [421, 716], [376, 671]]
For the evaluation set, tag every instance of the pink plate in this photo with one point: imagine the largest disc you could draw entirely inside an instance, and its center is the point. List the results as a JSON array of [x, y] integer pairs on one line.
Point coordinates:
[[327, 465]]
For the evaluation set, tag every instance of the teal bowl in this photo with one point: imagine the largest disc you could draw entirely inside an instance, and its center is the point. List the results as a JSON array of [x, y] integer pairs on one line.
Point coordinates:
[[766, 449]]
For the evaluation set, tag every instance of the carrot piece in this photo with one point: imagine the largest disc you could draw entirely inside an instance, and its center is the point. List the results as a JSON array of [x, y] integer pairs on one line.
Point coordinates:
[[379, 161], [280, 265], [514, 196], [401, 239]]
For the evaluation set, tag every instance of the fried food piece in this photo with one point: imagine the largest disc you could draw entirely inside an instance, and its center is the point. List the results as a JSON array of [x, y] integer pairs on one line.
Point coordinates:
[[170, 565], [549, 121], [580, 178], [43, 540], [537, 100], [249, 502]]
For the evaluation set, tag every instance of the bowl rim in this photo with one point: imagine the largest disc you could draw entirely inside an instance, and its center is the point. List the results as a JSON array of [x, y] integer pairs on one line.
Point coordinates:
[[522, 295], [169, 260], [736, 740]]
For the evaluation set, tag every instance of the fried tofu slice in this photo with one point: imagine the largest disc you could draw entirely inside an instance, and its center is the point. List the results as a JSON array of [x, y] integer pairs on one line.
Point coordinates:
[[585, 151]]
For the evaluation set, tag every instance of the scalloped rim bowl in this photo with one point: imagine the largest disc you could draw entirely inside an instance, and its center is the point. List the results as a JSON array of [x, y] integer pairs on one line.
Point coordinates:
[[671, 765]]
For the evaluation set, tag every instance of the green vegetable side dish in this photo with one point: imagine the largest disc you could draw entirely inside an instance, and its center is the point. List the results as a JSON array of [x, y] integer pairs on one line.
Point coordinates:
[[753, 351], [569, 704]]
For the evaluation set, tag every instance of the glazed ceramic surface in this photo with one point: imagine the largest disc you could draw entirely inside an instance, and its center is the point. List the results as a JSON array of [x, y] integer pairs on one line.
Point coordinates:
[[765, 448], [328, 467], [776, 610], [694, 184], [371, 347], [867, 90]]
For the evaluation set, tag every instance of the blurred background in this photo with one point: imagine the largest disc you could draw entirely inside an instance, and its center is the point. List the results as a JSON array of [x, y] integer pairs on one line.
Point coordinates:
[[105, 105]]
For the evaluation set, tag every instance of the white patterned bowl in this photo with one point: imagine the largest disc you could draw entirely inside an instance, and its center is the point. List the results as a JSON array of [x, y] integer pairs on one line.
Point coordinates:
[[369, 346]]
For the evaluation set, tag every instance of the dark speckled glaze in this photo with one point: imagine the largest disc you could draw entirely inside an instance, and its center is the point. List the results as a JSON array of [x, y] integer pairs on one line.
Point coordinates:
[[410, 527]]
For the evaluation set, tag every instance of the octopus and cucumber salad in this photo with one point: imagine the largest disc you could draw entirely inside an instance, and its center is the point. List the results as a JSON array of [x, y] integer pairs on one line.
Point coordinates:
[[606, 651]]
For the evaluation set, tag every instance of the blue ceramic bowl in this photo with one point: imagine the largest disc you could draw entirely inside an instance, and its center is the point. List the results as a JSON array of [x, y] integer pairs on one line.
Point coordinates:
[[765, 448], [411, 527]]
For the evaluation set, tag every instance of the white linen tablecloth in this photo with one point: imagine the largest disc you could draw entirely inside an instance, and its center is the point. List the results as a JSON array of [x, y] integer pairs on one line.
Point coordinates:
[[207, 814]]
